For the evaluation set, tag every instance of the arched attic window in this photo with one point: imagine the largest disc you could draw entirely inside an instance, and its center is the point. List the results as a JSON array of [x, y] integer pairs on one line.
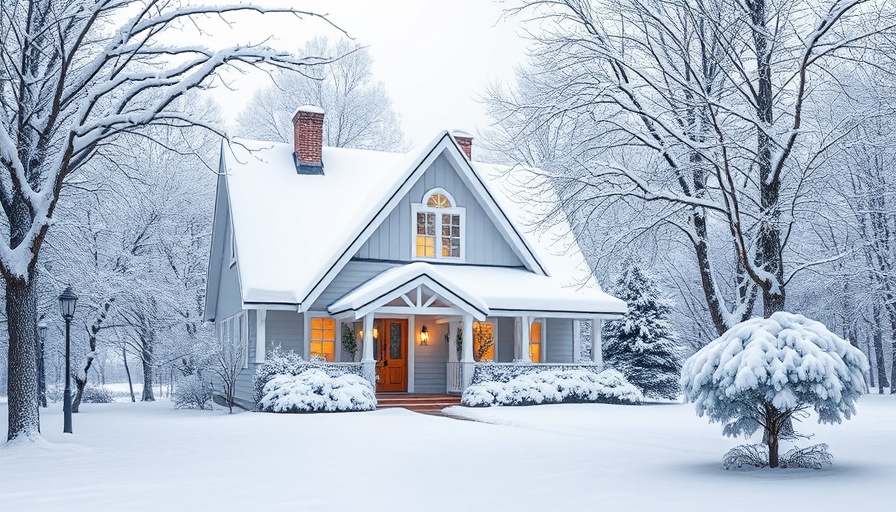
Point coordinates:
[[439, 227]]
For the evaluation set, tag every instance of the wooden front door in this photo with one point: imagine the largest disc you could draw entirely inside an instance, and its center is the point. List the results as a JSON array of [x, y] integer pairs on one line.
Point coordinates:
[[391, 354]]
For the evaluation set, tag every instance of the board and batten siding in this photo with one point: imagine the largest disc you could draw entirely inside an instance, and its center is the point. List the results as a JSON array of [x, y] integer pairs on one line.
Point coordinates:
[[506, 336], [430, 370], [559, 340], [229, 299], [244, 388], [352, 275], [484, 244]]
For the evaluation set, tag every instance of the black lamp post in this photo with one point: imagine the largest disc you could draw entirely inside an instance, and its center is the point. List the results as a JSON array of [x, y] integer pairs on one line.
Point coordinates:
[[67, 302], [41, 372]]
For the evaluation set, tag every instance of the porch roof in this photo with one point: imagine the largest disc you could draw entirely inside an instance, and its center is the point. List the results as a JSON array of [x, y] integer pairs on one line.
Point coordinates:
[[482, 291]]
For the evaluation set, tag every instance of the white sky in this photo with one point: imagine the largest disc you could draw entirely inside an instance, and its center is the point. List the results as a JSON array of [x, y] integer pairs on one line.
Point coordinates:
[[435, 57]]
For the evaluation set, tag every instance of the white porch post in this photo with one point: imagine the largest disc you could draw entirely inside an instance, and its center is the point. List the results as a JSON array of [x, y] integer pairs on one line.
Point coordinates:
[[368, 363], [467, 351], [260, 317], [525, 330], [576, 341], [452, 342], [597, 349]]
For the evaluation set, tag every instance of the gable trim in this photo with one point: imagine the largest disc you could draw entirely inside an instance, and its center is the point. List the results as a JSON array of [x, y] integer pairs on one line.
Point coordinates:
[[491, 206]]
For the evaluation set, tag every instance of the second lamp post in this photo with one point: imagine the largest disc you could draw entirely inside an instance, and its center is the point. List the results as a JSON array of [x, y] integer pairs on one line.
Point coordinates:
[[67, 302]]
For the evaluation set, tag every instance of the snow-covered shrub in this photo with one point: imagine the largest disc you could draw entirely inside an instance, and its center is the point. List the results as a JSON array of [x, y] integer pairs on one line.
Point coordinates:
[[97, 395], [314, 391], [499, 372], [553, 387], [286, 362], [192, 393], [756, 455], [763, 372]]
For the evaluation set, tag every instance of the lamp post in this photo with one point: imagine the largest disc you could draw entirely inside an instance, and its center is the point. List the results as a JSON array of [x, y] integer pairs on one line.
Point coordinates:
[[67, 302], [41, 372]]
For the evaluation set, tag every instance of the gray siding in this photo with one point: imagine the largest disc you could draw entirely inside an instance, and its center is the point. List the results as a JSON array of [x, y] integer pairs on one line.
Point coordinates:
[[559, 340], [506, 337], [286, 329], [430, 361], [352, 275], [484, 243], [244, 387], [229, 300]]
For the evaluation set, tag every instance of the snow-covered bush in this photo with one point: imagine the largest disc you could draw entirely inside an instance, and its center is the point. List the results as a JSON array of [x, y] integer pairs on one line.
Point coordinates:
[[763, 372], [756, 455], [314, 391], [286, 362], [97, 395], [641, 345], [192, 393], [552, 387]]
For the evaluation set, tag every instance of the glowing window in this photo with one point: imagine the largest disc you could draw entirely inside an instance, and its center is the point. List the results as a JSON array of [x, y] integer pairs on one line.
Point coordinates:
[[323, 338], [535, 342], [439, 227], [483, 341]]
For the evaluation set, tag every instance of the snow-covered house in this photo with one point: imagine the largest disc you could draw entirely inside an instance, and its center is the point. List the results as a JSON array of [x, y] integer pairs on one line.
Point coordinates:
[[427, 263]]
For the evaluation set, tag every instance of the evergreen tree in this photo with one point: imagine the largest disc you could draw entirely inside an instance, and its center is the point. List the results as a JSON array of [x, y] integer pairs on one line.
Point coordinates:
[[641, 344]]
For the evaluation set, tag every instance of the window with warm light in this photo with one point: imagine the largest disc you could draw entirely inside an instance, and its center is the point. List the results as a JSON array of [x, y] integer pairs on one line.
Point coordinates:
[[323, 338], [483, 341], [439, 227], [535, 340]]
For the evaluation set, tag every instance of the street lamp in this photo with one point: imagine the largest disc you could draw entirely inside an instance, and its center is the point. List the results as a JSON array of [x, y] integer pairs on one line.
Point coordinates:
[[67, 302], [41, 372]]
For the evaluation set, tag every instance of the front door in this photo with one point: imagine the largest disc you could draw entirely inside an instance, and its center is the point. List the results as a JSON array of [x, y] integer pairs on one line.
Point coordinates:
[[391, 358]]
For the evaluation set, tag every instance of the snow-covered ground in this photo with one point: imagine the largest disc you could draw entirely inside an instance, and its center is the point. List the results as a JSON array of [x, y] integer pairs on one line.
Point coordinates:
[[149, 456]]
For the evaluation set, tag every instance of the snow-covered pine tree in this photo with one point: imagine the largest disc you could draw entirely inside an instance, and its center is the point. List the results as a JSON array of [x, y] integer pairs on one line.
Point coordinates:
[[641, 345]]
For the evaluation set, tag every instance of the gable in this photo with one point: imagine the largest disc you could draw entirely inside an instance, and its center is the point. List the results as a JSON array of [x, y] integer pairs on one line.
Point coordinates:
[[222, 287], [484, 243]]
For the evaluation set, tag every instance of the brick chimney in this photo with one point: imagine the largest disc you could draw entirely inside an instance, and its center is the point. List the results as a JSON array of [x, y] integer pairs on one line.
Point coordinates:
[[465, 141], [308, 135]]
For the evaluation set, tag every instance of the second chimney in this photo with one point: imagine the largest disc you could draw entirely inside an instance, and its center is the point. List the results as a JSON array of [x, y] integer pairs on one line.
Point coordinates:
[[308, 136], [465, 141]]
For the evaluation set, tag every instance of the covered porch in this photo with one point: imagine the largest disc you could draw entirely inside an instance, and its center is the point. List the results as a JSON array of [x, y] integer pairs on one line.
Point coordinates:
[[424, 328]]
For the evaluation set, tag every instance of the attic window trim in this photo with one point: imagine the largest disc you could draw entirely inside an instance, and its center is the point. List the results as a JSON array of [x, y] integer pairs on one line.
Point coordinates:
[[438, 210], [232, 247]]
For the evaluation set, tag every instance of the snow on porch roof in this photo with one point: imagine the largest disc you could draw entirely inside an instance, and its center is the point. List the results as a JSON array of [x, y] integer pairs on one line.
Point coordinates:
[[288, 226], [483, 290]]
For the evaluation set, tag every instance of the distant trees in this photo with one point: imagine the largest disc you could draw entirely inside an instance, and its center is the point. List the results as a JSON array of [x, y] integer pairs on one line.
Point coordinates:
[[689, 126], [358, 110], [641, 345], [77, 76]]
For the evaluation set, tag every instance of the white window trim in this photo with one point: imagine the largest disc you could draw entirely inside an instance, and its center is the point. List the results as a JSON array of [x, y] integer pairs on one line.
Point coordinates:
[[232, 246], [454, 210]]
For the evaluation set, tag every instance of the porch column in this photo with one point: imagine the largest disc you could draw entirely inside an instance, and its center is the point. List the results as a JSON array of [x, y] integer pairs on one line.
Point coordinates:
[[368, 363], [525, 330], [452, 342], [467, 351], [597, 348], [260, 317], [576, 341]]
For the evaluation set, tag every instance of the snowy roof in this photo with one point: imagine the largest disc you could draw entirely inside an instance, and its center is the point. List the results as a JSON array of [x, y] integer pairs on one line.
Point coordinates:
[[291, 229], [483, 290]]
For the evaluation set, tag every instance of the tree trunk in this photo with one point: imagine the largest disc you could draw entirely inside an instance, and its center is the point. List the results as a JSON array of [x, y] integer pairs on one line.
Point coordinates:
[[21, 315], [773, 427], [127, 371], [147, 339], [879, 349]]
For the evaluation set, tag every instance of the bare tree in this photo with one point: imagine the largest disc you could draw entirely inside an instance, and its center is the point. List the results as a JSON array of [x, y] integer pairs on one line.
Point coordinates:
[[359, 112], [226, 362], [76, 75], [687, 119]]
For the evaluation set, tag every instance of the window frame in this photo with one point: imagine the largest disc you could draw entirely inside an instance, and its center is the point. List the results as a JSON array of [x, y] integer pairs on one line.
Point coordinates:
[[542, 324], [337, 335], [235, 329], [494, 348], [422, 207]]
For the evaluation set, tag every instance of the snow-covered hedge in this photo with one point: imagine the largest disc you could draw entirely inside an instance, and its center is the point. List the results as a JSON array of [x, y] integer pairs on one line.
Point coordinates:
[[97, 395], [533, 387], [314, 391], [282, 362], [505, 372]]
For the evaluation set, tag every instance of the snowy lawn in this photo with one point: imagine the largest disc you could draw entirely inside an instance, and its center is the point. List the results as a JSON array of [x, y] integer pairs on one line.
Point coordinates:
[[127, 456]]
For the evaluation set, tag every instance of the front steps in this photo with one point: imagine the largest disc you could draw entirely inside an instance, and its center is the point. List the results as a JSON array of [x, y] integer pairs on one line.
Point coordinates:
[[426, 404]]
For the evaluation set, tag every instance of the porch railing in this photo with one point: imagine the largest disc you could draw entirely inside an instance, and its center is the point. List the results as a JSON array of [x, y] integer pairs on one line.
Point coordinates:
[[455, 377]]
